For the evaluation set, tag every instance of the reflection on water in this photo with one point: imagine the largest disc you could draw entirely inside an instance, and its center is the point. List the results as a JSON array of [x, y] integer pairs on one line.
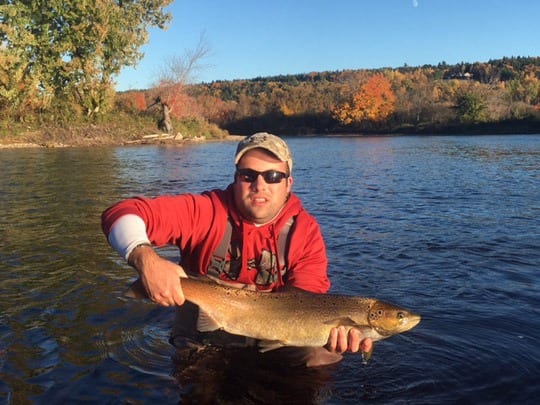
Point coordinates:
[[446, 226], [216, 375]]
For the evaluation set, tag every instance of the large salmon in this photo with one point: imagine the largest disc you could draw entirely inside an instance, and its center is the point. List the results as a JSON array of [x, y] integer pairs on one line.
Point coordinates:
[[289, 318]]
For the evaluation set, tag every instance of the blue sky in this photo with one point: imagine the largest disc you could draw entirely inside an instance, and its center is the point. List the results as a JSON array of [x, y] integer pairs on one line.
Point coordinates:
[[253, 38]]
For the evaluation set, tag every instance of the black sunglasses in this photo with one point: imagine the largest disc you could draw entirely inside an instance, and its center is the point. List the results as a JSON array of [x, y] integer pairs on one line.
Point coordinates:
[[269, 176]]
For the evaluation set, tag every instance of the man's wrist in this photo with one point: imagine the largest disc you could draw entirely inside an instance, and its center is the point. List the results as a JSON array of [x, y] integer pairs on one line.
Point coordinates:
[[134, 253]]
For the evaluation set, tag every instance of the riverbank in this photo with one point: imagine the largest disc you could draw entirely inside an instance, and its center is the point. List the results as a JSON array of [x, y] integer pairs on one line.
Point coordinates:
[[137, 130], [134, 132]]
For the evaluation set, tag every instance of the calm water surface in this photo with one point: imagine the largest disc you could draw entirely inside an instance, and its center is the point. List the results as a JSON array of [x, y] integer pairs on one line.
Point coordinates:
[[446, 226]]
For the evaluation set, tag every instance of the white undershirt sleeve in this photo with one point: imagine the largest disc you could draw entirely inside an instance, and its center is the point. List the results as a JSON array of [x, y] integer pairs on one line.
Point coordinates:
[[128, 232]]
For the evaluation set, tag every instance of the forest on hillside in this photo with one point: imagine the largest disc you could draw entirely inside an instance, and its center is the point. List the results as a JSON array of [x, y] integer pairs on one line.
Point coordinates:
[[496, 96]]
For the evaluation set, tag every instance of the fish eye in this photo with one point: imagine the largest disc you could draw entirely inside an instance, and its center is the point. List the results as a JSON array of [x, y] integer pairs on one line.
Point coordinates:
[[401, 315]]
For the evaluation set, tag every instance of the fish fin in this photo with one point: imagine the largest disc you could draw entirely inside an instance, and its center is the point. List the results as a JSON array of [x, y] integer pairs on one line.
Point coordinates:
[[320, 356], [206, 323], [136, 290], [267, 345], [367, 355], [343, 321], [307, 356]]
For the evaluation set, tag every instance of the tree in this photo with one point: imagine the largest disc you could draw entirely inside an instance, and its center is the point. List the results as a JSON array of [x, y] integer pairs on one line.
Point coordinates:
[[373, 102], [471, 106], [70, 51], [177, 71]]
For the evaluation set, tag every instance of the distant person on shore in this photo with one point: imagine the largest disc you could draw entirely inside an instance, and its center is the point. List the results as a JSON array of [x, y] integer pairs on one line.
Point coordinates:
[[164, 122], [253, 234]]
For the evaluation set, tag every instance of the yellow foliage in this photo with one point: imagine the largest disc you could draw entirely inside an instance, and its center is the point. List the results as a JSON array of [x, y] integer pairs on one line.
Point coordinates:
[[286, 110]]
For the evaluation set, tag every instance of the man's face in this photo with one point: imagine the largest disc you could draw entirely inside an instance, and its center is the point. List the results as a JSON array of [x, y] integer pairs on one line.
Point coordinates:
[[259, 201]]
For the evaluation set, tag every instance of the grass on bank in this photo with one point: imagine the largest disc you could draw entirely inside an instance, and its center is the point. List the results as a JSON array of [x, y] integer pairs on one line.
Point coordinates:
[[113, 129]]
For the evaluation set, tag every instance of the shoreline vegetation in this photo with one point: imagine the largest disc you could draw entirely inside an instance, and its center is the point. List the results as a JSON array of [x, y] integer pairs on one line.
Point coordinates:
[[495, 97], [122, 129], [137, 131]]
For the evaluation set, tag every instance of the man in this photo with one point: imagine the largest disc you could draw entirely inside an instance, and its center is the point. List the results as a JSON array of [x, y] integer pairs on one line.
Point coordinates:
[[253, 234]]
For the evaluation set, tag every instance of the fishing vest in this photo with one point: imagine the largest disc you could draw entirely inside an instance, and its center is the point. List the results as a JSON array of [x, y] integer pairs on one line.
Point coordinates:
[[270, 269]]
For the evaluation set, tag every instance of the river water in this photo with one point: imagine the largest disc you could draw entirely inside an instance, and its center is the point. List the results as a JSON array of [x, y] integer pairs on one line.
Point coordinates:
[[447, 226]]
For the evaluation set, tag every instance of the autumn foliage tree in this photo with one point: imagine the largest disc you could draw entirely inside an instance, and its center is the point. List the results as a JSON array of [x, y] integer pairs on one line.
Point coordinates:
[[373, 102]]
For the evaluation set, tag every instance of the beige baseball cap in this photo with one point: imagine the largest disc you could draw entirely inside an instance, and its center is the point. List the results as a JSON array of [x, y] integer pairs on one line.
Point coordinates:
[[272, 143]]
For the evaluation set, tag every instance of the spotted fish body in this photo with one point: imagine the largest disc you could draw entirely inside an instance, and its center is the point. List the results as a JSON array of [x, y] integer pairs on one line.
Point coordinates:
[[291, 318]]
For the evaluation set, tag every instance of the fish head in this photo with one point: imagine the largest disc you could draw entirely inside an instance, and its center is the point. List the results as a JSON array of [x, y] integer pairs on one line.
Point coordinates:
[[388, 319]]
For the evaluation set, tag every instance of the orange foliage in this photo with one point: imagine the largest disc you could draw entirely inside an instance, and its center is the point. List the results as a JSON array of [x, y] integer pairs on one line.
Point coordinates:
[[139, 101], [132, 100], [183, 106], [215, 109], [374, 101]]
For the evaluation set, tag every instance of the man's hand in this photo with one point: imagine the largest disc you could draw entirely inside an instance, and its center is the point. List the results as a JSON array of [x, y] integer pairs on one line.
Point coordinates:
[[160, 277], [340, 341]]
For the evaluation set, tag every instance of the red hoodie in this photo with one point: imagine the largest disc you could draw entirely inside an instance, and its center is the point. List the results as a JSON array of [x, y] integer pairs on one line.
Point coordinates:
[[197, 223]]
